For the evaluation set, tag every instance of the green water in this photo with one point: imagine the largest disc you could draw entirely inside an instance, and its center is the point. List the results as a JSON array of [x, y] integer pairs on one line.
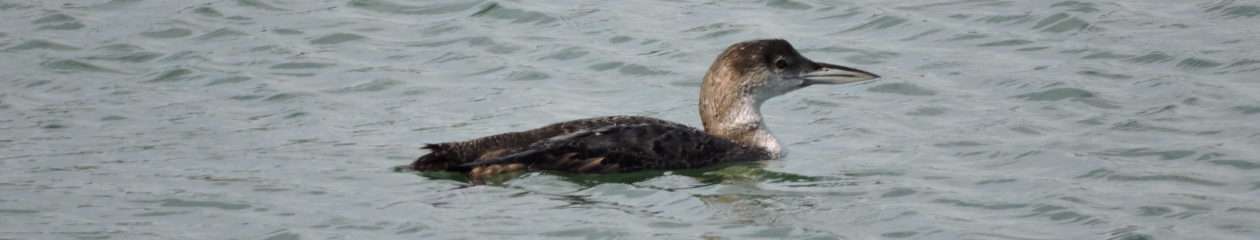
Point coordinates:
[[283, 119]]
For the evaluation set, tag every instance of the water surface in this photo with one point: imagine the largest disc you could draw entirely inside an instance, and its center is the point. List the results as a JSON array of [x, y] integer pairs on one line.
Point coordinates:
[[282, 119]]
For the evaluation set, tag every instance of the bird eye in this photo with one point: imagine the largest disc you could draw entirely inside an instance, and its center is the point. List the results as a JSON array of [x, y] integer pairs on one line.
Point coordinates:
[[780, 64]]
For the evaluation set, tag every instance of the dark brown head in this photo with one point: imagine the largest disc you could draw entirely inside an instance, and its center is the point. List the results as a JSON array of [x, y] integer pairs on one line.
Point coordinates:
[[749, 73]]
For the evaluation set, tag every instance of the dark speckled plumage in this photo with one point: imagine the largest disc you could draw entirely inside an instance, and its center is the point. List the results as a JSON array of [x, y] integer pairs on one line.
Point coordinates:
[[593, 145], [742, 77]]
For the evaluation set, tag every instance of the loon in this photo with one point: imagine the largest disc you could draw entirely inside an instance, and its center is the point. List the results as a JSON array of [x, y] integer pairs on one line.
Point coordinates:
[[743, 77]]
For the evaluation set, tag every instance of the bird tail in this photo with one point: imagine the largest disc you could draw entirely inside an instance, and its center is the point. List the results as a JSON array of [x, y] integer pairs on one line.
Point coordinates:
[[439, 159]]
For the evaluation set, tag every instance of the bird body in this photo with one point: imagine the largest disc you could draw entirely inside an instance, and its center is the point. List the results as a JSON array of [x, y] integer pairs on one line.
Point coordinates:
[[743, 77]]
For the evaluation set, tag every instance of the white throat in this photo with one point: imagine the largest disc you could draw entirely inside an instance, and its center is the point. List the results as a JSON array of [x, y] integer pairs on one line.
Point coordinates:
[[746, 116]]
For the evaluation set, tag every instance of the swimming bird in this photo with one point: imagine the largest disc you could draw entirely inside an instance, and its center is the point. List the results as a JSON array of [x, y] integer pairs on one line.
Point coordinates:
[[742, 77]]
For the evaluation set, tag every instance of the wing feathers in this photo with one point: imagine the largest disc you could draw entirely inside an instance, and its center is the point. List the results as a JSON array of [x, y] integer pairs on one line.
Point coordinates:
[[596, 145]]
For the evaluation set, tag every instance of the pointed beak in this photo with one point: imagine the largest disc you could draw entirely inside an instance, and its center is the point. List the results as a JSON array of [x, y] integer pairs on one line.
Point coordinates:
[[836, 74]]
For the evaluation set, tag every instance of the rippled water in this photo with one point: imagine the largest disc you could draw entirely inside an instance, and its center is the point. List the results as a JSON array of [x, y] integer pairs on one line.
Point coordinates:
[[281, 119]]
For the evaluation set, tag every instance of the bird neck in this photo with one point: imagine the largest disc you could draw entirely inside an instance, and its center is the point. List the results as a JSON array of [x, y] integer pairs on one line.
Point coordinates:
[[734, 114]]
